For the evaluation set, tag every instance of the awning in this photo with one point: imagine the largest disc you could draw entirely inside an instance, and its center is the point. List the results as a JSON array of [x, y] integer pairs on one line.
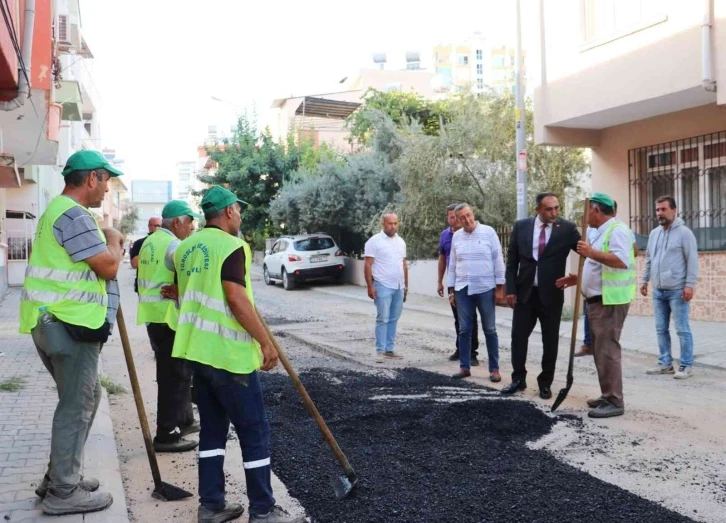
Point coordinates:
[[326, 108], [70, 97], [9, 175]]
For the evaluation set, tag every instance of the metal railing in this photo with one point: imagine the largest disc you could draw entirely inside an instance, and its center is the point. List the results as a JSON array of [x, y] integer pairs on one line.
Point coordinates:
[[693, 171]]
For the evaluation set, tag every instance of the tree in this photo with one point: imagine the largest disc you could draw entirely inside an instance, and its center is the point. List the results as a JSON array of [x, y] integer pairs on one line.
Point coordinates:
[[402, 108], [254, 167], [127, 224]]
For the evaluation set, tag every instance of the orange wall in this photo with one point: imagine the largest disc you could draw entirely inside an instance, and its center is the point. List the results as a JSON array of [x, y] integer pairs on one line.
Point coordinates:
[[8, 59]]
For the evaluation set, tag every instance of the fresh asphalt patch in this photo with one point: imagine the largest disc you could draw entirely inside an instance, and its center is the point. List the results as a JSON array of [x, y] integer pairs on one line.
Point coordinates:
[[428, 449]]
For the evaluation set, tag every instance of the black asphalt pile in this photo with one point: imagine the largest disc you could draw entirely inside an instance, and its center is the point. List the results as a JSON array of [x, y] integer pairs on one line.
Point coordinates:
[[423, 456]]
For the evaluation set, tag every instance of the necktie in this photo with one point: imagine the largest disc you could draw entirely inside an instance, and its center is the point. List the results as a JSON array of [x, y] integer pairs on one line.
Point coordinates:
[[542, 240]]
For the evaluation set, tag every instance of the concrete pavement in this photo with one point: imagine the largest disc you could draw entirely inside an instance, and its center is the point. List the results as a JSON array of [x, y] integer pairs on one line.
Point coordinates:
[[638, 333], [25, 424]]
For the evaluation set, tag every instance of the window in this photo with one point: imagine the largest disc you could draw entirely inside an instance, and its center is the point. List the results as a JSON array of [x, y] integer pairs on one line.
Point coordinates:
[[157, 211], [479, 54], [479, 83], [275, 248], [693, 171], [462, 59], [611, 19], [479, 69], [314, 244]]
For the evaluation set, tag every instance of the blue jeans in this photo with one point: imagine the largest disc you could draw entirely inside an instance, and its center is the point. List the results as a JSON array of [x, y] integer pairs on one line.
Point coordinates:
[[389, 305], [664, 303], [466, 305]]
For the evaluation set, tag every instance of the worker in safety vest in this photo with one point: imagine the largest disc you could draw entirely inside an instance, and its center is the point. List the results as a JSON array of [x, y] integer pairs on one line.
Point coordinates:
[[174, 415], [608, 286], [69, 303], [219, 332]]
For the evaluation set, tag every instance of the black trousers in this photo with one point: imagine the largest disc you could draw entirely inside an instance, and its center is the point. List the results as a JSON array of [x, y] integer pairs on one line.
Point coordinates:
[[474, 333], [525, 318], [174, 381]]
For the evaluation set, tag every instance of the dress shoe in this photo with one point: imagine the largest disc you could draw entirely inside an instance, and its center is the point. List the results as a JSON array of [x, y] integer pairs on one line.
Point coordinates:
[[474, 361], [495, 377], [513, 387], [584, 350], [545, 393], [463, 373]]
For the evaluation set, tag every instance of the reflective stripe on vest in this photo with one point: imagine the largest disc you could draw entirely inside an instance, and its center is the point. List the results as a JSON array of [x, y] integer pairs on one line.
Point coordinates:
[[152, 276], [208, 332], [69, 290], [618, 285]]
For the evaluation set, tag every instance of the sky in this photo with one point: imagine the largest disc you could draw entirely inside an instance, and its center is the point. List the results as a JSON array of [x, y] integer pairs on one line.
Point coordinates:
[[159, 64]]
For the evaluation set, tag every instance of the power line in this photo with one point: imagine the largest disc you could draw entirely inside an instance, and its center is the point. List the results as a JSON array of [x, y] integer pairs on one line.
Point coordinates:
[[5, 7]]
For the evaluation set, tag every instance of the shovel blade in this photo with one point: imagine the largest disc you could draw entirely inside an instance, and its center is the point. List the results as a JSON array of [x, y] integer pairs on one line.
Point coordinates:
[[344, 486], [560, 398], [167, 492]]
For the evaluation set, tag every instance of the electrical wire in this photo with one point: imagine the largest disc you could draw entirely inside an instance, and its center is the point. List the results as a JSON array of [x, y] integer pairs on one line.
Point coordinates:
[[9, 22]]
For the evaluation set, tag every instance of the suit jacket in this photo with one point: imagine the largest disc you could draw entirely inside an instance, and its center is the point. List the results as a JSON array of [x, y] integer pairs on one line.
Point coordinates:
[[521, 265]]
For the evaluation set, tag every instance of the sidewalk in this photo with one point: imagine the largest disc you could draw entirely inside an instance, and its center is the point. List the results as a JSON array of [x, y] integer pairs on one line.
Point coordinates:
[[638, 332], [25, 425]]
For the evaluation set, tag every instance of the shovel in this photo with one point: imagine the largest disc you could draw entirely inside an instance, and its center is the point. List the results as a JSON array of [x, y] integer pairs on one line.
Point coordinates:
[[162, 491], [573, 341], [342, 485]]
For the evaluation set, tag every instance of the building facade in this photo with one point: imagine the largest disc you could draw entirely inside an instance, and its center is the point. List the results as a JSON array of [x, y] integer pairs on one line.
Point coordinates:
[[149, 198], [643, 83]]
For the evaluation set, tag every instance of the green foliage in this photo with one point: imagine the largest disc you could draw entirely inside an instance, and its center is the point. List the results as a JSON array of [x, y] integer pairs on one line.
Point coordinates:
[[402, 108], [127, 224], [111, 386], [311, 156], [13, 384], [254, 167], [339, 199]]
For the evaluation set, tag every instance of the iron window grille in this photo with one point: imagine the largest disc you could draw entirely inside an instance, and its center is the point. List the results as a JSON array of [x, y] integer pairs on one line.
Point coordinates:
[[693, 171]]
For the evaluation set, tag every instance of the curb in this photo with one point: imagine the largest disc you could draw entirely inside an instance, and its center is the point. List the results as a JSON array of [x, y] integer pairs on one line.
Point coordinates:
[[101, 461]]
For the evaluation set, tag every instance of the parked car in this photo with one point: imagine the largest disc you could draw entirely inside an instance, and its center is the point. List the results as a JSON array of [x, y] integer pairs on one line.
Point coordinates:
[[306, 257]]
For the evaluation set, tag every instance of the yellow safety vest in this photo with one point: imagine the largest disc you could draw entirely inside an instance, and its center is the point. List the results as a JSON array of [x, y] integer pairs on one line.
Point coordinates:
[[153, 275]]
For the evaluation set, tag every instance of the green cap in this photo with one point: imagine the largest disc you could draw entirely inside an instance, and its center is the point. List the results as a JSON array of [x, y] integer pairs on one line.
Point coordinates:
[[602, 198], [176, 208], [88, 161], [218, 198]]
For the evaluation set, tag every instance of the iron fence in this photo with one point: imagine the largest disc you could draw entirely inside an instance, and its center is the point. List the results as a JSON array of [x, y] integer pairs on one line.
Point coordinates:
[[693, 171]]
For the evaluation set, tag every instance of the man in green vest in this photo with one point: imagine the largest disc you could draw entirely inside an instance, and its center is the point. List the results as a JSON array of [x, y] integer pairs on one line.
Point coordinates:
[[608, 285], [69, 302], [219, 332], [174, 415]]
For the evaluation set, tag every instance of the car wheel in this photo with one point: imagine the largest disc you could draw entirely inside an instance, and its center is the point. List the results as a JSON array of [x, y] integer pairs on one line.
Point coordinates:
[[266, 276], [287, 281]]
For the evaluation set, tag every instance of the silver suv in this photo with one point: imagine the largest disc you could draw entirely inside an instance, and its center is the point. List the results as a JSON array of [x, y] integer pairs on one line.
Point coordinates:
[[296, 259]]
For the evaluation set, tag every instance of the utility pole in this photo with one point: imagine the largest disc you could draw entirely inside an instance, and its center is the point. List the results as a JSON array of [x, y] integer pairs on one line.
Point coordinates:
[[521, 155]]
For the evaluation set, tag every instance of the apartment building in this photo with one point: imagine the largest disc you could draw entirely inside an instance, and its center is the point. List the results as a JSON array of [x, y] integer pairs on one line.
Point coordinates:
[[643, 83], [149, 198]]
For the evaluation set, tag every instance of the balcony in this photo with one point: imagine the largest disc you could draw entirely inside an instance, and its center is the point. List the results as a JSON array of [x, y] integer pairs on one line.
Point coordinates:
[[69, 96]]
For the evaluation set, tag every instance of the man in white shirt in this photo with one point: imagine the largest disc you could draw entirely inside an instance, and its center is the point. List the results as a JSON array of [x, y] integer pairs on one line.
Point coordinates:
[[386, 275], [608, 285], [476, 269]]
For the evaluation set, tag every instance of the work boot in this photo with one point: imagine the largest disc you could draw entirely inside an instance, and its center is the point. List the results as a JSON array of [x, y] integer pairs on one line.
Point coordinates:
[[193, 428], [276, 515], [89, 484], [661, 369], [228, 513], [179, 445], [79, 502]]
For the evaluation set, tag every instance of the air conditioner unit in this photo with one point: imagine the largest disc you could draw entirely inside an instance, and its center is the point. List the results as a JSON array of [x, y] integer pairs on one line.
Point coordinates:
[[68, 34]]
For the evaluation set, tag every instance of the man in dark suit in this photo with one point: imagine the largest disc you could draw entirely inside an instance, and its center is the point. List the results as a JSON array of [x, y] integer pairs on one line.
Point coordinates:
[[536, 259]]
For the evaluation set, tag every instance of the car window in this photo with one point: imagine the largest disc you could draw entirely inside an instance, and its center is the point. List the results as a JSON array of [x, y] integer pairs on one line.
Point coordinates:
[[275, 248], [314, 244], [283, 246]]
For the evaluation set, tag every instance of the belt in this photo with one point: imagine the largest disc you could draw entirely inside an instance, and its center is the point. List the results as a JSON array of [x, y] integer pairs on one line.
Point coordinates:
[[594, 299]]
